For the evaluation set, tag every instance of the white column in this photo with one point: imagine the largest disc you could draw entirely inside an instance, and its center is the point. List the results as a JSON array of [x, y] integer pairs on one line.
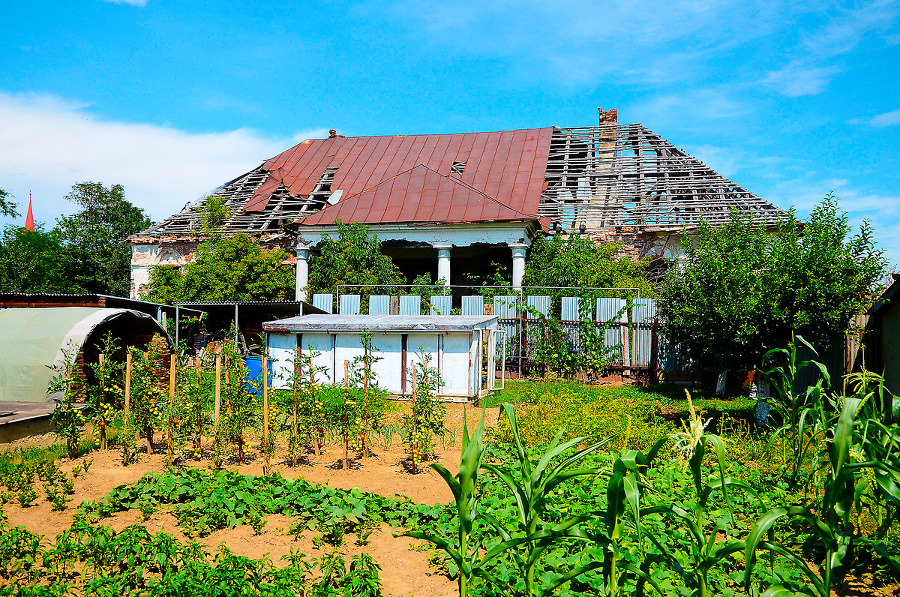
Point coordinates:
[[302, 271], [443, 263], [518, 266]]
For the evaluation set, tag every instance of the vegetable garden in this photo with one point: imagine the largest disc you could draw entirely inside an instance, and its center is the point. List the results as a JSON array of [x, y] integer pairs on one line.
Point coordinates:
[[623, 501]]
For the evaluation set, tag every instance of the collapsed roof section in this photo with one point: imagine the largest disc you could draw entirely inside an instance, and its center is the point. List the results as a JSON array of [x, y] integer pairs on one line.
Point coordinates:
[[626, 176], [623, 178]]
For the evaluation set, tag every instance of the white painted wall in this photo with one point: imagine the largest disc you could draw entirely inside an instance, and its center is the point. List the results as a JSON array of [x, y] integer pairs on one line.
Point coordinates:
[[456, 365], [324, 344], [387, 369], [449, 353], [281, 350]]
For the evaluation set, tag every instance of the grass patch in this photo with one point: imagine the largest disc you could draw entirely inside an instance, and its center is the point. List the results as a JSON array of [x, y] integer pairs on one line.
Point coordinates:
[[628, 416], [10, 459]]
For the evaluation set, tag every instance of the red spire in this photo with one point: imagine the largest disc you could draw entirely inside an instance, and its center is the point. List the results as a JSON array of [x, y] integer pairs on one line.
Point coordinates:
[[29, 220]]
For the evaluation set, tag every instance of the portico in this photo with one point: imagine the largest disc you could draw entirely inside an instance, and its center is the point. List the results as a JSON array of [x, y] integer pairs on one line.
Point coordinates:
[[446, 251]]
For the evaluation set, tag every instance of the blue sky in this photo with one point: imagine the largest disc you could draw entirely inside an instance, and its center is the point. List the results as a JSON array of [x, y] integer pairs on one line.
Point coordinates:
[[173, 98]]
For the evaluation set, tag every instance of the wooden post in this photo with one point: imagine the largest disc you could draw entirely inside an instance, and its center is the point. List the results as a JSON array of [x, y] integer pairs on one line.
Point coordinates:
[[102, 422], [265, 373], [413, 444], [172, 375], [294, 438], [127, 392], [321, 431], [198, 447], [170, 440], [218, 391], [365, 405], [346, 430]]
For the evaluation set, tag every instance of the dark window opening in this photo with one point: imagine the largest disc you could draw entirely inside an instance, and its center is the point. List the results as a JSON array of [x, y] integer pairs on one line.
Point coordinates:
[[322, 190]]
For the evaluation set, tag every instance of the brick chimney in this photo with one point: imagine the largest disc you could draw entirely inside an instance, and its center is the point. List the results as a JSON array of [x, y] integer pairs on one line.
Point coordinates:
[[608, 117]]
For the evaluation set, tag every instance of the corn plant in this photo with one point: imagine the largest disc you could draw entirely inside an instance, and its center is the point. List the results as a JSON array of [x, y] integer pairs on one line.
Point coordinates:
[[531, 483], [799, 412], [705, 550], [467, 557], [876, 438], [853, 441], [624, 490]]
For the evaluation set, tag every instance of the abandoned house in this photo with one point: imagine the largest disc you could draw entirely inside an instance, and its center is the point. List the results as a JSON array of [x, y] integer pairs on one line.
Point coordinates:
[[455, 205]]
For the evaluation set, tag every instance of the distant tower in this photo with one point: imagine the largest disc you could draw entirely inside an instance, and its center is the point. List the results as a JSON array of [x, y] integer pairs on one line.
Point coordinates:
[[29, 219]]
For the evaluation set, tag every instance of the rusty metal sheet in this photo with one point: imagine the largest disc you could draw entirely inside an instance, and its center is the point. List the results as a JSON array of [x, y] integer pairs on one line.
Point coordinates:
[[419, 195], [509, 166]]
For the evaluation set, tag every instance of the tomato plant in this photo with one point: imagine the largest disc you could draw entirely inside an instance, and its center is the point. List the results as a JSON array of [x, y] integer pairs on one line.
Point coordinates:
[[426, 419]]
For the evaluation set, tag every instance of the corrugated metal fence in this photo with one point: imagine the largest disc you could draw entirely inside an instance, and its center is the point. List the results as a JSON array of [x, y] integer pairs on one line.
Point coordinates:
[[628, 327]]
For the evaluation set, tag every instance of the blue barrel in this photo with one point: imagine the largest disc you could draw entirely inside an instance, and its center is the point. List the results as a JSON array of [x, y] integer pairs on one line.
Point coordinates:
[[253, 381]]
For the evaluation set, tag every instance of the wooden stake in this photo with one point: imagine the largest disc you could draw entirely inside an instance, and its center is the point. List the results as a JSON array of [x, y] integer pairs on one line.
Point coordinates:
[[265, 372], [227, 383], [319, 430], [198, 434], [127, 392], [296, 439], [102, 419], [365, 406], [170, 440], [218, 391], [172, 375], [346, 431]]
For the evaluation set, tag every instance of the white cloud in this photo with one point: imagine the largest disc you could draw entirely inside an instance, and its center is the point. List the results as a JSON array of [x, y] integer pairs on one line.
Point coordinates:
[[48, 143], [699, 106], [797, 79], [886, 119], [129, 2], [809, 71]]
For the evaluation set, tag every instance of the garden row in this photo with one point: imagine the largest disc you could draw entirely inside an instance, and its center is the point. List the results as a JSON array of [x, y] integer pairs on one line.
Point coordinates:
[[216, 398]]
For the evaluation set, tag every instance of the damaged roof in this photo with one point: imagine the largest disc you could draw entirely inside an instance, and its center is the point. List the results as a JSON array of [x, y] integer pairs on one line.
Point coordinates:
[[613, 177], [506, 165]]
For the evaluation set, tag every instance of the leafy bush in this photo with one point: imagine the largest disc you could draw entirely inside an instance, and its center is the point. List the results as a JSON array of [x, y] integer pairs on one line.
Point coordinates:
[[577, 261], [741, 290], [353, 258]]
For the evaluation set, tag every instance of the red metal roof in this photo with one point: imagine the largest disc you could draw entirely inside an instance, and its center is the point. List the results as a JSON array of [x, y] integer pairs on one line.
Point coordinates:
[[419, 195], [502, 180]]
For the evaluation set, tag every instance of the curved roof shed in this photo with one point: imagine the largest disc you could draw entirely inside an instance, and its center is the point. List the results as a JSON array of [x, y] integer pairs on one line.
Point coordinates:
[[32, 340]]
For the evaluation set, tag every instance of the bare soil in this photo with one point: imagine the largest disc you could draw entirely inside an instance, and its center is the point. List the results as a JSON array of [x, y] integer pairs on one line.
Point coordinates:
[[404, 562]]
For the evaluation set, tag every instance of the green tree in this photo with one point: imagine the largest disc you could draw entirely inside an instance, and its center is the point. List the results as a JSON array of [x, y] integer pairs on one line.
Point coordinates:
[[580, 262], [353, 258], [97, 238], [225, 268], [33, 261], [742, 290], [7, 206]]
